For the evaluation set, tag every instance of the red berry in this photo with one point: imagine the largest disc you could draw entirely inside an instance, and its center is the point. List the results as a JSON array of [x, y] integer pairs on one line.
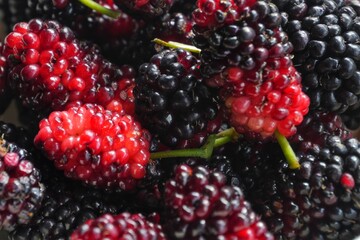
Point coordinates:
[[275, 101], [123, 226], [199, 205], [50, 69], [347, 181], [97, 146]]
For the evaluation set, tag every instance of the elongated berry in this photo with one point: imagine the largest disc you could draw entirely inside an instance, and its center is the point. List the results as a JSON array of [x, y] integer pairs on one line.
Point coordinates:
[[97, 146]]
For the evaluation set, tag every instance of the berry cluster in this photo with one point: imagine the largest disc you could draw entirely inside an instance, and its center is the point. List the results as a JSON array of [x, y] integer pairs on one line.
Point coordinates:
[[131, 132]]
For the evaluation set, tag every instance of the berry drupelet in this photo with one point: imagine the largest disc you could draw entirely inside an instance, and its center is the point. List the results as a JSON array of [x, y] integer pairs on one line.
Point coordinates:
[[325, 37], [273, 101], [21, 192], [97, 146], [199, 205], [49, 68], [246, 43], [170, 98], [318, 201], [122, 226]]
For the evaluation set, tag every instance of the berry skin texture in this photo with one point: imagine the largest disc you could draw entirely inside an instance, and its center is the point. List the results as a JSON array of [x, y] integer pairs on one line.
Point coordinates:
[[318, 201], [246, 43], [276, 103], [171, 100], [199, 205], [122, 226], [325, 35], [97, 146], [20, 189], [49, 68]]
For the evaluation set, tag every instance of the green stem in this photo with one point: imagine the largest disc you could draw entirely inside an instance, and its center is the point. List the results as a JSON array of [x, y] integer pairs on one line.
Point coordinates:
[[213, 141], [222, 141], [287, 150], [172, 44], [101, 9], [203, 152]]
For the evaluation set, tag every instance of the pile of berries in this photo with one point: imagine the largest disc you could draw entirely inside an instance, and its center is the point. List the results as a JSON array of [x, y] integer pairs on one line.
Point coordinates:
[[179, 119]]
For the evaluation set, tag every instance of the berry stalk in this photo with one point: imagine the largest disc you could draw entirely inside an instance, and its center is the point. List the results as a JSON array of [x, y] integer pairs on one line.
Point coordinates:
[[100, 9], [287, 150], [213, 141], [172, 44]]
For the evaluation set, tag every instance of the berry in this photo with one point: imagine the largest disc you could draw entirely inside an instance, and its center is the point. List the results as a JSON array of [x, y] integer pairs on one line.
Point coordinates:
[[122, 226], [49, 68], [325, 36], [66, 206], [246, 43], [318, 201], [273, 101], [20, 189], [199, 205], [97, 146], [170, 98]]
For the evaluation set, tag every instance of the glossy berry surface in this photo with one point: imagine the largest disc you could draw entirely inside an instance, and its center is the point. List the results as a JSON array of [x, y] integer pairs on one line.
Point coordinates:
[[122, 226], [325, 36], [246, 43], [201, 206], [171, 99], [97, 146], [49, 68], [21, 192], [274, 101], [318, 201]]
